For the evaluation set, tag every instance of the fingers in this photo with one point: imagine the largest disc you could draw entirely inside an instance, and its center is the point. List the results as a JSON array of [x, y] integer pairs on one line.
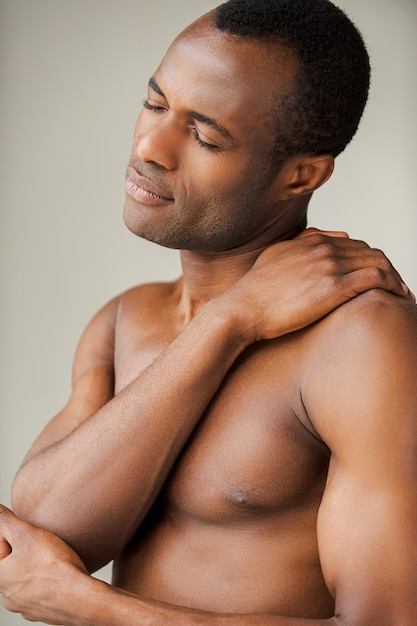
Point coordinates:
[[374, 269], [329, 233], [351, 256], [367, 278]]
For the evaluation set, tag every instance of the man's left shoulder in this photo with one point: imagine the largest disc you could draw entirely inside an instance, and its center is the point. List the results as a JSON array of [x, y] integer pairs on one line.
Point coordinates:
[[360, 368], [369, 340], [371, 316], [378, 300]]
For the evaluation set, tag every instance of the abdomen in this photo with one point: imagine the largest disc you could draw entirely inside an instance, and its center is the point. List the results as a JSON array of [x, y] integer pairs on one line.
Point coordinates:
[[267, 567]]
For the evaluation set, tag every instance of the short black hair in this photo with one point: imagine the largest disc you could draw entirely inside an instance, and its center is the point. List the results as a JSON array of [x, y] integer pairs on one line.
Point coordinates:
[[323, 111]]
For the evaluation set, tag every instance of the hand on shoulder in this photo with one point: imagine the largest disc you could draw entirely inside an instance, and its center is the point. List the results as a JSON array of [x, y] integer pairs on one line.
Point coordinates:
[[297, 282]]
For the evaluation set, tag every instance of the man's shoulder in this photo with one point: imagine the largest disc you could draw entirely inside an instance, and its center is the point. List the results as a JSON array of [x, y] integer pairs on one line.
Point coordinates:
[[375, 321], [360, 359], [139, 298], [373, 330], [147, 293], [370, 314]]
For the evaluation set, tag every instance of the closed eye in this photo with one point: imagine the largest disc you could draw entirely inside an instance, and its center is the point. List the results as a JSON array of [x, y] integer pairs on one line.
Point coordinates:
[[204, 144], [151, 107]]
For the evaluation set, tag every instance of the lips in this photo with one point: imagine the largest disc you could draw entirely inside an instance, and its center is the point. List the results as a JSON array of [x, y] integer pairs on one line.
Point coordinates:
[[143, 189]]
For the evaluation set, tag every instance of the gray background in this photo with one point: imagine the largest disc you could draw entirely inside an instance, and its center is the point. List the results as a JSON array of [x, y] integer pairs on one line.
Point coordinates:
[[73, 75]]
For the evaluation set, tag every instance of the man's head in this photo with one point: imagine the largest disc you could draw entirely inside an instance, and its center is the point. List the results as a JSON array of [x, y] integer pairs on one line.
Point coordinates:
[[323, 110], [242, 122]]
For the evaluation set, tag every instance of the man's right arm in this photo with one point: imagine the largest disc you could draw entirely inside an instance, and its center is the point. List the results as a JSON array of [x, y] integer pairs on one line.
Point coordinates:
[[93, 477], [98, 467]]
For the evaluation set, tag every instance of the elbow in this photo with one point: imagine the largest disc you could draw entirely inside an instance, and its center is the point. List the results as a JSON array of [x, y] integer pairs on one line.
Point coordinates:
[[22, 497], [42, 508], [32, 503]]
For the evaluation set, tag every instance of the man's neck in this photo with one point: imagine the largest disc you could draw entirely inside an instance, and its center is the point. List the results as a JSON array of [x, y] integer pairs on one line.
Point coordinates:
[[207, 275]]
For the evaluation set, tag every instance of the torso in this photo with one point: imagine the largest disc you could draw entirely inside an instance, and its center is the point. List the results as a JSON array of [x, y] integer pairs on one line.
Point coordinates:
[[234, 529]]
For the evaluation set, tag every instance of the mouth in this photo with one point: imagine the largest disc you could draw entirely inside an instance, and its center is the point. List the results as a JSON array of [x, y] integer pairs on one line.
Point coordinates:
[[144, 190]]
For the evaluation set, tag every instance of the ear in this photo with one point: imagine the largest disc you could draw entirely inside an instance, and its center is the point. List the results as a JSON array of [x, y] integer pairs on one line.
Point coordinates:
[[305, 174]]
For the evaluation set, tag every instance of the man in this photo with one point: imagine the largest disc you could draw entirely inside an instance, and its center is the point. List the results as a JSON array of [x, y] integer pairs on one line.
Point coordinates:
[[240, 444]]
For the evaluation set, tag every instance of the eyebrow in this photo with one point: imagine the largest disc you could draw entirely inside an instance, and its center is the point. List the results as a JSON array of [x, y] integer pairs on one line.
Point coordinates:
[[198, 116]]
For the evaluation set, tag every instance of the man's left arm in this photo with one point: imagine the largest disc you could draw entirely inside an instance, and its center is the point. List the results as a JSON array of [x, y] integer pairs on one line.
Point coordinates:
[[362, 399], [360, 393]]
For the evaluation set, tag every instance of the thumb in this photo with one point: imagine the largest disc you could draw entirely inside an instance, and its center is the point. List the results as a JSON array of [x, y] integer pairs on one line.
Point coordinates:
[[5, 548], [5, 516]]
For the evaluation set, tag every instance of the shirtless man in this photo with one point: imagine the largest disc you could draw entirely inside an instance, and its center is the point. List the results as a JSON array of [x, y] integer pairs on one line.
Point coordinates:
[[240, 444]]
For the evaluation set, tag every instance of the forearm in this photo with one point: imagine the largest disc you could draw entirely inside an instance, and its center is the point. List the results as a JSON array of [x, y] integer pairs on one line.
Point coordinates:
[[99, 604], [94, 487]]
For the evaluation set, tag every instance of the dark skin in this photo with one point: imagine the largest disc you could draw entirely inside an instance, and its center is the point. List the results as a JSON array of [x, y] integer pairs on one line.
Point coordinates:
[[240, 443]]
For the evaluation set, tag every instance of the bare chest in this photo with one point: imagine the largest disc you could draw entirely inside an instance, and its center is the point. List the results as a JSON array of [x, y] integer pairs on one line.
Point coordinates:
[[251, 475], [250, 454]]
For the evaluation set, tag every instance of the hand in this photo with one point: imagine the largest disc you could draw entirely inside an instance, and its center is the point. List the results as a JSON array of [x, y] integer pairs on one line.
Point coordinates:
[[295, 283], [35, 570]]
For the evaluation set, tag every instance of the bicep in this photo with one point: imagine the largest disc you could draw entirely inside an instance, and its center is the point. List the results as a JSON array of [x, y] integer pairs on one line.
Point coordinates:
[[368, 548], [92, 380], [365, 408]]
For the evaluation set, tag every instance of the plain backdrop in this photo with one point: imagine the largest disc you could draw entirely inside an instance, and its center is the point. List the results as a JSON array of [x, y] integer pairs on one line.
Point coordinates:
[[73, 75]]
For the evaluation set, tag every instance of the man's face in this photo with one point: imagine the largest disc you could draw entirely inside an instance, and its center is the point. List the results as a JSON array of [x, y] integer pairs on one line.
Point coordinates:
[[199, 177]]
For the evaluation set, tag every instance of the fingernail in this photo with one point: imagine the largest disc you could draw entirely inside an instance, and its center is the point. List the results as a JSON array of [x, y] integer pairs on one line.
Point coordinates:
[[407, 290]]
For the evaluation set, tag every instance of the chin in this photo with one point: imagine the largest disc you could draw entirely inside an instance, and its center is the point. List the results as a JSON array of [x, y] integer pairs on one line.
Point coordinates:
[[175, 235]]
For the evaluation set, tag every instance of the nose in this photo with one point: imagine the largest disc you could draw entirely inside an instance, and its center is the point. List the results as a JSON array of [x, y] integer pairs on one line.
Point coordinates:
[[158, 144]]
